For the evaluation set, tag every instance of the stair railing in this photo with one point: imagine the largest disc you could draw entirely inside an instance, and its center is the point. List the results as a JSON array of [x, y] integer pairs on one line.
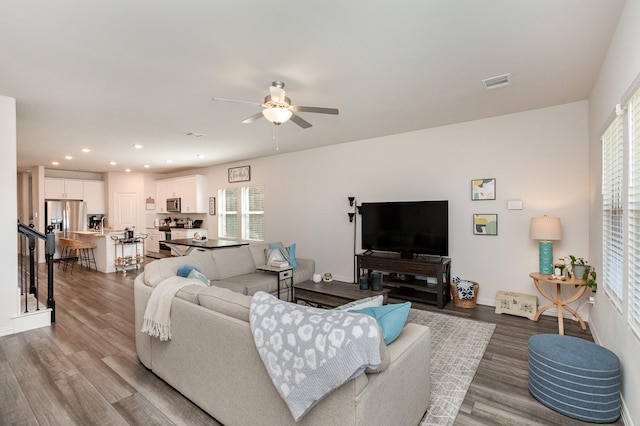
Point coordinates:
[[28, 255]]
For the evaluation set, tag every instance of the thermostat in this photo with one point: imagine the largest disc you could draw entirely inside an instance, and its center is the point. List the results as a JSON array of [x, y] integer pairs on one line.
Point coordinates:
[[514, 205]]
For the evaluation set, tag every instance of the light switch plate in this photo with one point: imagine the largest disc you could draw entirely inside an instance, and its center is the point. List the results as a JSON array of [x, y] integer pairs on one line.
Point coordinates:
[[514, 205]]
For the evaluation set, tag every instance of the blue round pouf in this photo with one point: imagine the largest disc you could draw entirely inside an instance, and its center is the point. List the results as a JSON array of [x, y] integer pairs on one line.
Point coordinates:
[[575, 377]]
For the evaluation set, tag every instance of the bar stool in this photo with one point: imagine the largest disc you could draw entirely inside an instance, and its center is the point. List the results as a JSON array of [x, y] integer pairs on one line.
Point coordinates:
[[68, 254], [86, 254]]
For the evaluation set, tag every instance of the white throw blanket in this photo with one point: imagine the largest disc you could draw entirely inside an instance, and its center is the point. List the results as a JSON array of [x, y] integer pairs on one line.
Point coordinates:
[[157, 315], [309, 352]]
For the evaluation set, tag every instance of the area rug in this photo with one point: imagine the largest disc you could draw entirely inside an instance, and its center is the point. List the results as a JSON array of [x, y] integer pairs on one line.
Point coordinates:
[[457, 346]]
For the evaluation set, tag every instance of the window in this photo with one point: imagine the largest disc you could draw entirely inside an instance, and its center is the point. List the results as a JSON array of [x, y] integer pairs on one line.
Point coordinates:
[[612, 210], [633, 111], [250, 221], [253, 213], [228, 213]]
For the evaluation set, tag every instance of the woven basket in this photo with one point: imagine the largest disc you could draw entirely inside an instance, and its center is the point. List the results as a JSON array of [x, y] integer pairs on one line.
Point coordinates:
[[471, 303]]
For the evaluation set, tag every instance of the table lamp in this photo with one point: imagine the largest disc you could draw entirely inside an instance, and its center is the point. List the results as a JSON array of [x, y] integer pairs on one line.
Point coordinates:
[[545, 229]]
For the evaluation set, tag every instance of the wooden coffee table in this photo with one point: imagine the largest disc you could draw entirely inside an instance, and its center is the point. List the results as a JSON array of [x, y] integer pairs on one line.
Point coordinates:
[[332, 294]]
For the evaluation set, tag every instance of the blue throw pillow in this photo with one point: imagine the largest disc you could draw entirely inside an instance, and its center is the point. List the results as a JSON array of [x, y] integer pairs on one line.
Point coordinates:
[[390, 318], [183, 270], [197, 275], [288, 253]]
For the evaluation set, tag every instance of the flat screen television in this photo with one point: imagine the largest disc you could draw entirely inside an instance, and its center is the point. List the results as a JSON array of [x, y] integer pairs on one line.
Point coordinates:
[[406, 227]]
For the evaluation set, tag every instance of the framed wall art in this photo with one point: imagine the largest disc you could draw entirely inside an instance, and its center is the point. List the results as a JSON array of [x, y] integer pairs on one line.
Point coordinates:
[[239, 174], [212, 205], [483, 189], [485, 224]]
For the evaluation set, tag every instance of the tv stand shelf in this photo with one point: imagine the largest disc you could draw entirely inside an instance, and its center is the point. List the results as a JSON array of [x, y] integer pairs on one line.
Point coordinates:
[[423, 279]]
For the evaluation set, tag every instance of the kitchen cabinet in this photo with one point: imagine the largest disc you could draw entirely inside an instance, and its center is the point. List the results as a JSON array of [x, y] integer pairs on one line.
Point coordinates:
[[193, 194], [94, 196], [192, 191], [153, 240], [63, 189]]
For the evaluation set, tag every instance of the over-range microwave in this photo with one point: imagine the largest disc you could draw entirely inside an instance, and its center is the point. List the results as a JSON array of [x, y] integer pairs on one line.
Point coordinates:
[[173, 205]]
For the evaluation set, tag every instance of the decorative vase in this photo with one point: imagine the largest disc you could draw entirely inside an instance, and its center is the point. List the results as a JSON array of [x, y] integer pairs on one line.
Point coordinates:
[[376, 284], [364, 283]]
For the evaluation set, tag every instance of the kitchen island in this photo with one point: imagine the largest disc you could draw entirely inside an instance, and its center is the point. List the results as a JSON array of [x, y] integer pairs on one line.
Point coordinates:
[[106, 246]]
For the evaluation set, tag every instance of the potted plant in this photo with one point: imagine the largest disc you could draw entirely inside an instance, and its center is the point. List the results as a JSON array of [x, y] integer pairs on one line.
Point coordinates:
[[580, 269]]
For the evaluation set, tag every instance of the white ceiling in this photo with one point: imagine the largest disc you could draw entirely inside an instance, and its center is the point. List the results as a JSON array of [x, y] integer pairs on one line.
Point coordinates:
[[111, 74]]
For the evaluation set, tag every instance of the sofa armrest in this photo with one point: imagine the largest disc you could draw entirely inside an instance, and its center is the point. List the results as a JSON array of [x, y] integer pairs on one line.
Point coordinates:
[[306, 268]]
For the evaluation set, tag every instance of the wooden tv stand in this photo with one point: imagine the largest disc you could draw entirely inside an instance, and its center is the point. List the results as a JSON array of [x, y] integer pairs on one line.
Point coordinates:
[[421, 278]]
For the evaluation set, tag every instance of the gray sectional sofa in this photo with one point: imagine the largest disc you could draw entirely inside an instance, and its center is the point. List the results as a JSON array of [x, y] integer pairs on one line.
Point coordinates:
[[212, 359]]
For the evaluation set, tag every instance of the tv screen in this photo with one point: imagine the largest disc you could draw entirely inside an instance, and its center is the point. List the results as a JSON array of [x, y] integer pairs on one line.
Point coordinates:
[[407, 227]]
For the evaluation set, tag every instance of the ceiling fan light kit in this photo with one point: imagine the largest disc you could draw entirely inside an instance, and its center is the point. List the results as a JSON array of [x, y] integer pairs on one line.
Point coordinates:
[[278, 108], [277, 115]]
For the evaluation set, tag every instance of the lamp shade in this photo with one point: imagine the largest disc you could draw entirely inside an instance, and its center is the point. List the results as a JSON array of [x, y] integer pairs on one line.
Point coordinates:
[[545, 228], [277, 115]]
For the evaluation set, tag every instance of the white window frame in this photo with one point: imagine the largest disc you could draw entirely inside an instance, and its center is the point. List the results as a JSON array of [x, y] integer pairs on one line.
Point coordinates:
[[245, 229]]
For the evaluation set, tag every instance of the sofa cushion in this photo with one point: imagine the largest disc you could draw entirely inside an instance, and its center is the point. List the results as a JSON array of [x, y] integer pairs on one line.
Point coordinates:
[[160, 269], [190, 293], [390, 318], [226, 302], [254, 282], [233, 261], [258, 251]]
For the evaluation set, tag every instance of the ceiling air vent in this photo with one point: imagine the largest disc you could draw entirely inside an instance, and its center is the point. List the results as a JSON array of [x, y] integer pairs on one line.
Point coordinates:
[[496, 82]]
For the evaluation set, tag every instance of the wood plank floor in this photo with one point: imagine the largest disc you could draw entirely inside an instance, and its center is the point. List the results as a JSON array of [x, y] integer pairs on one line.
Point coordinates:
[[84, 370]]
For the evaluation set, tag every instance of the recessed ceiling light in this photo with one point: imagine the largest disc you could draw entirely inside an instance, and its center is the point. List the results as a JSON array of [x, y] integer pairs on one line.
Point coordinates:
[[138, 146], [168, 161], [113, 163], [146, 166], [85, 150], [127, 170], [68, 157], [55, 163]]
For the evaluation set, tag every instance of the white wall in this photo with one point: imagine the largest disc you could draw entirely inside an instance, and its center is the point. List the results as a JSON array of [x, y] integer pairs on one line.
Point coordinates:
[[8, 214], [617, 75], [539, 157]]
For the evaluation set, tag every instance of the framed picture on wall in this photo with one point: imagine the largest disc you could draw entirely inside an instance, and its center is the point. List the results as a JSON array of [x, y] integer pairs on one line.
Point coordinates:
[[483, 189], [212, 205], [239, 174], [485, 224]]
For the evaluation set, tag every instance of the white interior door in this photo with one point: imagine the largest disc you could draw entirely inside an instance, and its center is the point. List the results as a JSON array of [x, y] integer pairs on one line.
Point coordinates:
[[125, 210]]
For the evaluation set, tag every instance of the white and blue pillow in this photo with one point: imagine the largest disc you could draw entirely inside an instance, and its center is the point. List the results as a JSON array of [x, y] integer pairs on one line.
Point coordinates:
[[278, 252]]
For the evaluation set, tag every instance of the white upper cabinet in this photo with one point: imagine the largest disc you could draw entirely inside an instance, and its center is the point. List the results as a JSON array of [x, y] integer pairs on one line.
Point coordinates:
[[94, 196], [63, 189], [193, 194], [192, 191]]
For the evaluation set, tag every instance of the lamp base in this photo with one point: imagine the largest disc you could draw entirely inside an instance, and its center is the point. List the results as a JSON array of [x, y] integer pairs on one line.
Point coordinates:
[[545, 255]]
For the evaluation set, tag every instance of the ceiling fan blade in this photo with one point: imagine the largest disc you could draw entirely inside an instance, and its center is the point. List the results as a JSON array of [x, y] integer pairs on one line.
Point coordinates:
[[319, 110], [252, 118], [234, 100], [300, 121]]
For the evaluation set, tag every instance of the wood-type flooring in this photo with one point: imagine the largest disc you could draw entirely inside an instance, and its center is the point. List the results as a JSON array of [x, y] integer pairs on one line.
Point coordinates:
[[83, 370]]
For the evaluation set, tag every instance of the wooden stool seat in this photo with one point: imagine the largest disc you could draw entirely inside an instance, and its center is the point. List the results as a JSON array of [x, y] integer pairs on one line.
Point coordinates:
[[77, 250]]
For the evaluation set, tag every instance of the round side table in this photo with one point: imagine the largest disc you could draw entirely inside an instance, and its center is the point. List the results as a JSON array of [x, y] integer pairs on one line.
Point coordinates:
[[558, 301]]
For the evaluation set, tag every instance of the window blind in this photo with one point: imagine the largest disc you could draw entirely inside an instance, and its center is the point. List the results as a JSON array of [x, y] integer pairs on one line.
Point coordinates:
[[253, 213], [228, 213], [633, 109], [613, 211]]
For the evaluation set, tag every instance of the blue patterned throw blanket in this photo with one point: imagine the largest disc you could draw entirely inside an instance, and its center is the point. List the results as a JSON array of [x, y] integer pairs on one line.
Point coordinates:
[[309, 352]]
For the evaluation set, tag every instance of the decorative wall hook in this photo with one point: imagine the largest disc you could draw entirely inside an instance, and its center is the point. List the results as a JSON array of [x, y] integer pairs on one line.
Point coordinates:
[[351, 216], [351, 200]]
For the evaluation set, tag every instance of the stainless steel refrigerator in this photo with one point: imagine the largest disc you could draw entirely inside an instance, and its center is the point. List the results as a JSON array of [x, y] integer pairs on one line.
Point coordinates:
[[65, 216]]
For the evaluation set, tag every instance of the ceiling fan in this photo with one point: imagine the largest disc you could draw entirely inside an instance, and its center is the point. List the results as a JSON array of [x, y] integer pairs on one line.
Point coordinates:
[[278, 109]]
